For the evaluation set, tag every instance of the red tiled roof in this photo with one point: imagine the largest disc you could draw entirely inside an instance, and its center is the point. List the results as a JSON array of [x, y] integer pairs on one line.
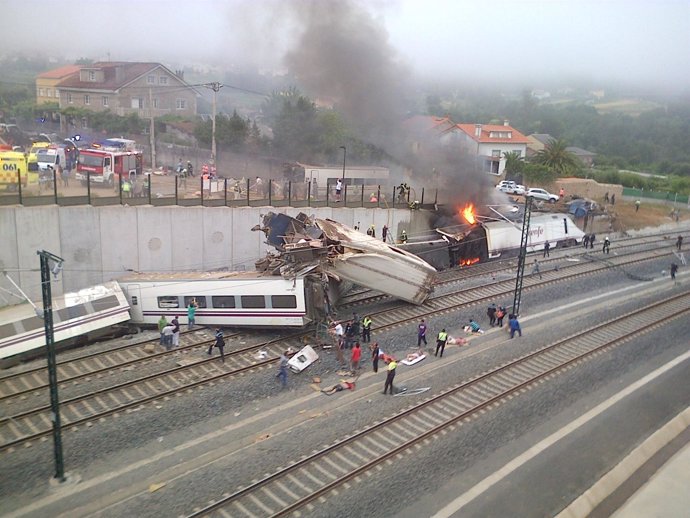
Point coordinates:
[[131, 71], [517, 137], [59, 73], [429, 122]]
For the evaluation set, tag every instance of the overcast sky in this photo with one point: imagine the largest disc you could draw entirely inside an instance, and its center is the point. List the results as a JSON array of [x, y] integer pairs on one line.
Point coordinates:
[[501, 41]]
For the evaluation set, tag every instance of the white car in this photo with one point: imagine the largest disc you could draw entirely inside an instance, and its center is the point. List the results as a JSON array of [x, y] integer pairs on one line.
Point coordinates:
[[505, 186], [541, 194]]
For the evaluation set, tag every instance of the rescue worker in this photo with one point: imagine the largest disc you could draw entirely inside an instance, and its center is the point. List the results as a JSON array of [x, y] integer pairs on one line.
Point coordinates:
[[355, 358], [390, 377], [535, 268], [679, 242], [585, 240], [403, 237], [500, 313], [162, 322], [591, 241], [366, 329], [220, 343], [127, 188], [282, 369], [607, 245], [421, 333], [441, 341], [674, 269], [547, 247], [514, 326], [491, 313], [375, 352]]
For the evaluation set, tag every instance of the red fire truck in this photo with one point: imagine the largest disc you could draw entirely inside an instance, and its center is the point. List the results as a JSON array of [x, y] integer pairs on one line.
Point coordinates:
[[106, 165]]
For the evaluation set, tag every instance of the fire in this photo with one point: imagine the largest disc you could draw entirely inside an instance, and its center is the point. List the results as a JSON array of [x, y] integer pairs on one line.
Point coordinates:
[[468, 214], [469, 262]]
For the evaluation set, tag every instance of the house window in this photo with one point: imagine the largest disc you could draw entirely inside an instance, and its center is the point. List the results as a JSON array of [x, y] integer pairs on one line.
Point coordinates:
[[69, 98], [105, 100], [92, 75], [496, 153], [181, 104], [57, 94], [137, 103], [155, 102], [87, 99], [40, 92], [49, 92], [151, 80], [163, 80]]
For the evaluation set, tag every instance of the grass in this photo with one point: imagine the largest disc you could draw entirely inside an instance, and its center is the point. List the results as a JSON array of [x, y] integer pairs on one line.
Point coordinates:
[[631, 107], [624, 217]]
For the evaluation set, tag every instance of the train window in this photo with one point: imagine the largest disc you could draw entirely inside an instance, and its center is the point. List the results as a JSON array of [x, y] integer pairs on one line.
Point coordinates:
[[200, 301], [283, 301], [223, 301], [109, 302], [253, 301], [135, 301], [7, 330], [168, 302], [71, 312]]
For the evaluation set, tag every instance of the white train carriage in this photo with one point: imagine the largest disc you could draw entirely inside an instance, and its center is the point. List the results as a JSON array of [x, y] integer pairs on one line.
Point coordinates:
[[76, 315], [234, 299]]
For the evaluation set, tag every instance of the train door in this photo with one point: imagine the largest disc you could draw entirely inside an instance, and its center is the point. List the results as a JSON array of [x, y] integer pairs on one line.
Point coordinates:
[[134, 298]]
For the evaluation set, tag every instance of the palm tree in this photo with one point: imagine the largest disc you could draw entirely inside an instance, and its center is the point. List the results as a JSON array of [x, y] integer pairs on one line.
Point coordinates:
[[557, 158], [515, 165]]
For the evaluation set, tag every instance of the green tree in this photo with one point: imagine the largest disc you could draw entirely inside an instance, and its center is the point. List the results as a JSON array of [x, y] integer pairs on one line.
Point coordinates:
[[557, 158], [515, 164]]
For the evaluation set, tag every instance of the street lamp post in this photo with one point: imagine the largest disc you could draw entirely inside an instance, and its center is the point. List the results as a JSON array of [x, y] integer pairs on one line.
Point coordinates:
[[52, 361], [344, 187]]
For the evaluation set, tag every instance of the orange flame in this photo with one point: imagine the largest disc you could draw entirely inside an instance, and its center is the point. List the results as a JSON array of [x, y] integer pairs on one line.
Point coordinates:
[[468, 213], [469, 262]]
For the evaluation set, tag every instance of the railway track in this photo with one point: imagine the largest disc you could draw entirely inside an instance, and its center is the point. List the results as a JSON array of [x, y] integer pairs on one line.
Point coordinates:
[[292, 490], [35, 423], [22, 384]]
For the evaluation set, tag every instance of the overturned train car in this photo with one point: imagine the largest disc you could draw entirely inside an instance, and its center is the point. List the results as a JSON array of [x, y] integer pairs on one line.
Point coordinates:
[[484, 241]]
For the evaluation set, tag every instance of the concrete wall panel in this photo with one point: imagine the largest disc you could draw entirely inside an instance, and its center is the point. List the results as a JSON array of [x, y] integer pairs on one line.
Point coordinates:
[[217, 238], [119, 250], [158, 226], [247, 246], [37, 229], [187, 224], [81, 246]]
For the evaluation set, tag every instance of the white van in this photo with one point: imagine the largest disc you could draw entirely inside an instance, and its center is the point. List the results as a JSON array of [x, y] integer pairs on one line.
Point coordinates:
[[50, 157]]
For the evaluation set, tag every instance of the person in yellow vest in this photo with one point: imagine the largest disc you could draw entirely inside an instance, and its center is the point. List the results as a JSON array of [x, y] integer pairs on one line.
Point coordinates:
[[127, 188], [441, 341], [390, 377], [366, 329]]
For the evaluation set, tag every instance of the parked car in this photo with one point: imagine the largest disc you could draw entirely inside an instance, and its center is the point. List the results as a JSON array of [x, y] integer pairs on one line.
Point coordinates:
[[519, 190], [504, 185], [541, 194]]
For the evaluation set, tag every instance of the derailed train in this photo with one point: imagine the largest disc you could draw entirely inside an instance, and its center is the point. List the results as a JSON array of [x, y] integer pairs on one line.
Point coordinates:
[[488, 240]]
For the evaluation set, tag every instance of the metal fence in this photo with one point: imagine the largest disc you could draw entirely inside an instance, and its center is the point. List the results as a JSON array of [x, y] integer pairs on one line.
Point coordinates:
[[671, 197], [167, 190]]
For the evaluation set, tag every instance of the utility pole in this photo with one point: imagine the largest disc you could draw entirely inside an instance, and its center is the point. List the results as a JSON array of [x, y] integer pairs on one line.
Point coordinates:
[[152, 131], [522, 257], [50, 350], [216, 88]]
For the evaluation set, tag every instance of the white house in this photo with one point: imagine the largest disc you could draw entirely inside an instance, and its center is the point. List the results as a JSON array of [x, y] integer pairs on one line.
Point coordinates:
[[490, 142]]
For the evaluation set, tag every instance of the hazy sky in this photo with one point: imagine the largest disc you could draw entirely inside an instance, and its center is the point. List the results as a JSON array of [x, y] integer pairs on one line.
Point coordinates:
[[500, 41]]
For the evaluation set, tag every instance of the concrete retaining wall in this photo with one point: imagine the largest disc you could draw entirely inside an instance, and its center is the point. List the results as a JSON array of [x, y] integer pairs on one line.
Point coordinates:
[[103, 243]]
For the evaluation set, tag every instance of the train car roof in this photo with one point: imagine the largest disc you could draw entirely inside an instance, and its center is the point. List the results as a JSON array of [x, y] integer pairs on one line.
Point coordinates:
[[203, 276], [20, 311]]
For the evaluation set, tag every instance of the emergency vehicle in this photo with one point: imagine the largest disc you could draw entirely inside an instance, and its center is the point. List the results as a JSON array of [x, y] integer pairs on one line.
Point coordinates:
[[51, 157], [107, 164], [13, 163]]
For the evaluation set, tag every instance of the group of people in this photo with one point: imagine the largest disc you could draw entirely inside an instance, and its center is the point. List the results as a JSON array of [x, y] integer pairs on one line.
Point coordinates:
[[611, 200], [588, 240], [169, 331]]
